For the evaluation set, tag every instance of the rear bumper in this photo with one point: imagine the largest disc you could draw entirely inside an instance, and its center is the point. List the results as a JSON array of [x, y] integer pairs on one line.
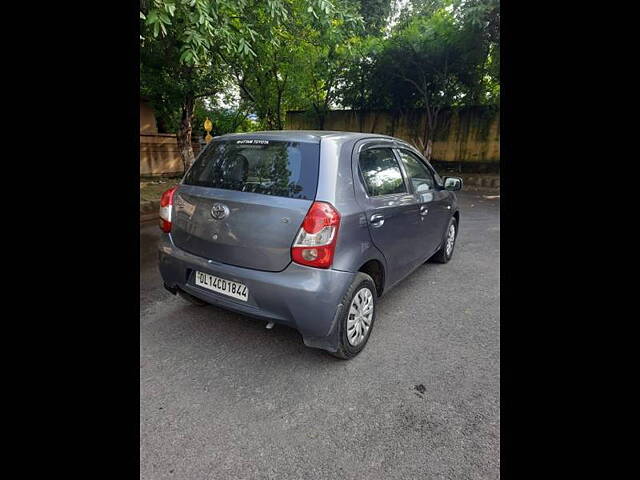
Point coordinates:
[[304, 298]]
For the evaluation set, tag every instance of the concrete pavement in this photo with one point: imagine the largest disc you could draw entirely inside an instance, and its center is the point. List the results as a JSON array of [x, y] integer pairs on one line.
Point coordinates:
[[222, 397]]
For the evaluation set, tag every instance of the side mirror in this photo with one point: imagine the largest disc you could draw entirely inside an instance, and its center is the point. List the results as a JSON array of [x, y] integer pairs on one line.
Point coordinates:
[[452, 183]]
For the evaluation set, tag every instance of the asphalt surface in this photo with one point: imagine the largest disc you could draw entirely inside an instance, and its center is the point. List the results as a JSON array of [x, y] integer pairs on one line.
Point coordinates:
[[221, 397]]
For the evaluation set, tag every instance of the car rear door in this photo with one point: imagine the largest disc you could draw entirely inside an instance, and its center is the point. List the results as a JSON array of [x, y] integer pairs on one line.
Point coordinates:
[[391, 210], [243, 201], [434, 202]]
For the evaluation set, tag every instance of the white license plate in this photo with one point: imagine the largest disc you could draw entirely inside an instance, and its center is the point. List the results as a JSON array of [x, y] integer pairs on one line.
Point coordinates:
[[220, 285]]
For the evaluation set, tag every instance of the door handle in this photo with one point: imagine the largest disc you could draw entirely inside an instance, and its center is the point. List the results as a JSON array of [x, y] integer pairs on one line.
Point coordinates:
[[424, 210], [377, 220]]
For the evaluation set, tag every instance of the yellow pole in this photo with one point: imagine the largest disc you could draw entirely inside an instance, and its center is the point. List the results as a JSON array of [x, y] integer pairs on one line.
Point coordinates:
[[208, 126]]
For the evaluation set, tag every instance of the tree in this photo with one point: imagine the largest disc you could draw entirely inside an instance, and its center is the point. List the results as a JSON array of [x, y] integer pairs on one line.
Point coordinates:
[[302, 66], [329, 47], [375, 14], [183, 49], [225, 118], [173, 88], [481, 20], [314, 55], [191, 48], [440, 54], [424, 57], [265, 81]]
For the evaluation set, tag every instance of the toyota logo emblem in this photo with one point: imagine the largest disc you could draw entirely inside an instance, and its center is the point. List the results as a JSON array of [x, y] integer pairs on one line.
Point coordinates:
[[219, 211]]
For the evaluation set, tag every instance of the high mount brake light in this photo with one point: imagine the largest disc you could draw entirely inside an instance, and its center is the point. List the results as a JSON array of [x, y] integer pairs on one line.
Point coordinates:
[[315, 243], [166, 202]]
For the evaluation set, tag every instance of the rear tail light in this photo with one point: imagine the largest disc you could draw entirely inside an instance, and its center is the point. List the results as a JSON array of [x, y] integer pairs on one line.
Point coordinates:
[[315, 243], [166, 202]]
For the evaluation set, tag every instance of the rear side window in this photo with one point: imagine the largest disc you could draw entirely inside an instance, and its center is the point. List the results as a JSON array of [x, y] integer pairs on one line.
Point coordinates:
[[419, 175], [381, 172], [282, 169]]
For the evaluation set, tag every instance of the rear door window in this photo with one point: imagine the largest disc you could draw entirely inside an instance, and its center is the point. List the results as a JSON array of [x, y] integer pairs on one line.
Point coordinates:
[[381, 172], [282, 169]]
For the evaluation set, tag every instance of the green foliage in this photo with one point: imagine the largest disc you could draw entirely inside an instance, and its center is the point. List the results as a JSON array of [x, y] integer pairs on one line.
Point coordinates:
[[314, 55], [225, 120], [204, 28], [327, 52], [375, 14], [441, 52], [301, 69], [191, 49]]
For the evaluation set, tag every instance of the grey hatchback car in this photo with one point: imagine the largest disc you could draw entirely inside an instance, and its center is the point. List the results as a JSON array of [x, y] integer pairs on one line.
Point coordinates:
[[305, 228]]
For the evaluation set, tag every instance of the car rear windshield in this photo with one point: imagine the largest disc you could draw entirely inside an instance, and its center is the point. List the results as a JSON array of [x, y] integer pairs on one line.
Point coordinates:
[[270, 167]]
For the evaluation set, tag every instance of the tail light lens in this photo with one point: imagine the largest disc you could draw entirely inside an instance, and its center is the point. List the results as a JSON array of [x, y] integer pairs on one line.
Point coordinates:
[[166, 202], [315, 243]]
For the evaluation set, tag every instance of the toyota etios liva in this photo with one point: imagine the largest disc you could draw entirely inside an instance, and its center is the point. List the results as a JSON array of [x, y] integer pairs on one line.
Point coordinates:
[[305, 228]]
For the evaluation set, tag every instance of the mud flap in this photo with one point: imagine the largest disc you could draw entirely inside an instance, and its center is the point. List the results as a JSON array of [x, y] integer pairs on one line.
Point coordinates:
[[330, 341]]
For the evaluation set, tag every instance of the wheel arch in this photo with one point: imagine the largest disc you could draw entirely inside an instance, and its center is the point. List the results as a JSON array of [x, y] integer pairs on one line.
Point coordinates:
[[375, 269]]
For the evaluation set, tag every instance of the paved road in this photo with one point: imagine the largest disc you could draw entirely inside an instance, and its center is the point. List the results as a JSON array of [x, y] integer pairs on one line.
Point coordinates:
[[221, 397]]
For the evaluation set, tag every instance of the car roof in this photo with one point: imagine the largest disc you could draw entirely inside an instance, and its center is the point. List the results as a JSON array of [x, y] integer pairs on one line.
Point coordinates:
[[313, 136]]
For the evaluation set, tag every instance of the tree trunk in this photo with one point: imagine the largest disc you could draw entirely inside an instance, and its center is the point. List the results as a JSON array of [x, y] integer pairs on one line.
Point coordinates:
[[426, 142], [319, 116], [431, 126], [271, 120], [428, 150], [279, 124], [184, 133]]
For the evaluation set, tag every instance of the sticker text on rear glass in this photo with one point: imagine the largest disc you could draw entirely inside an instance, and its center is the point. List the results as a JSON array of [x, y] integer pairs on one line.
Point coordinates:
[[260, 142]]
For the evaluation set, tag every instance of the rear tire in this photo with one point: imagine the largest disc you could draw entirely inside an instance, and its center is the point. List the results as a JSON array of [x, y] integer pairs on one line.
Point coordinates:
[[191, 299], [354, 329], [448, 245]]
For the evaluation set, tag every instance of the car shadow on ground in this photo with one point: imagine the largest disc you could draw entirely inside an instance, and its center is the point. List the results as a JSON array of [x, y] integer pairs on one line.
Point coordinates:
[[223, 337], [235, 337]]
